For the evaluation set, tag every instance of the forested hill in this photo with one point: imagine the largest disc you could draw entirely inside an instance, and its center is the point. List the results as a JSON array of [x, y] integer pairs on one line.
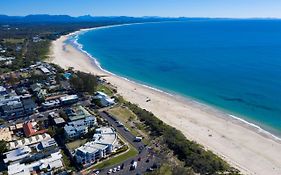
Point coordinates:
[[66, 19]]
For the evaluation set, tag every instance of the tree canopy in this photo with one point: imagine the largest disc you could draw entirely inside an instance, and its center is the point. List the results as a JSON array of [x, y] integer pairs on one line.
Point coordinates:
[[84, 82]]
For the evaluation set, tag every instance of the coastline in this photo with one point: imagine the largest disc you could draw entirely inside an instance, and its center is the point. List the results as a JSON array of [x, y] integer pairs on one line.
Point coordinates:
[[237, 141]]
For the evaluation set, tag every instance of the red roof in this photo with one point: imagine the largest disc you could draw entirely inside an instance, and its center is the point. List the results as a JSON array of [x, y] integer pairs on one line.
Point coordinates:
[[30, 131]]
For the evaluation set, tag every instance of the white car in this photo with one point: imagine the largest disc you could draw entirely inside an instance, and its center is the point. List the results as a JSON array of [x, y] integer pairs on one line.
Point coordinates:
[[118, 168], [109, 171], [114, 170]]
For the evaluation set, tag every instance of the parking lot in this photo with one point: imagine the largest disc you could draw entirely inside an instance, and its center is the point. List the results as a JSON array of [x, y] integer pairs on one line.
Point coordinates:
[[146, 160]]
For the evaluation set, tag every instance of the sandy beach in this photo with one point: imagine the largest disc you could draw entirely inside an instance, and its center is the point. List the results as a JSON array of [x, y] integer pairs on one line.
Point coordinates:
[[242, 145]]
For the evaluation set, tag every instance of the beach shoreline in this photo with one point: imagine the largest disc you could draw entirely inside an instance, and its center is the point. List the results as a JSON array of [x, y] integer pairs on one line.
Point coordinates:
[[246, 147]]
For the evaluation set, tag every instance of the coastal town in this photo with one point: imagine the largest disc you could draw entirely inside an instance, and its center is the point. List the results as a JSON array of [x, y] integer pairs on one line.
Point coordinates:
[[49, 127], [64, 110]]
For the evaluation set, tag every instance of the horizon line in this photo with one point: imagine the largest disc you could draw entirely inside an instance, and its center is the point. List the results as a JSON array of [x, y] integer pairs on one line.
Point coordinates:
[[175, 17]]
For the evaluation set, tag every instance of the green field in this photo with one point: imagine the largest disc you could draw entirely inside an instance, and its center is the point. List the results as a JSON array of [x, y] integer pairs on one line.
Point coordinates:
[[118, 159], [105, 89], [75, 144]]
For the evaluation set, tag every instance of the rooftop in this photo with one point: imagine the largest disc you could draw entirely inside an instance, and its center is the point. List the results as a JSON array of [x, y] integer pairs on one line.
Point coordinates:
[[105, 136], [68, 97], [28, 141], [29, 129], [17, 154]]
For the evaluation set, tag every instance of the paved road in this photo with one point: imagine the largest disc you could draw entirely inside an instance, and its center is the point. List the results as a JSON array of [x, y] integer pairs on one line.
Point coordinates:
[[146, 157], [37, 117]]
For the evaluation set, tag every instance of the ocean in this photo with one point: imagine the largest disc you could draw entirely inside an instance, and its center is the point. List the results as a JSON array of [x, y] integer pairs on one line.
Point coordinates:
[[232, 65]]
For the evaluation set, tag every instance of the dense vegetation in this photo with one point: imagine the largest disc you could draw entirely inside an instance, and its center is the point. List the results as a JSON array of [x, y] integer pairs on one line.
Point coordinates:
[[84, 82], [193, 154], [3, 147]]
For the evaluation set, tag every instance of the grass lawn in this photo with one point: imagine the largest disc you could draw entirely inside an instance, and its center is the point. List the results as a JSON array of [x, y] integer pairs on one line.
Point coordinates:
[[123, 114], [105, 89], [75, 144], [118, 159]]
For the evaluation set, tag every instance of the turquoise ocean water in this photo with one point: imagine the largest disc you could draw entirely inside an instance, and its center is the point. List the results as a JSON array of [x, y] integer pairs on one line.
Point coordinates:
[[234, 65]]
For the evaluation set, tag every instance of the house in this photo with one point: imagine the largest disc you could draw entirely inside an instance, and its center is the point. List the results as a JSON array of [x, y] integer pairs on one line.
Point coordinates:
[[49, 144], [18, 169], [103, 99], [17, 155], [51, 104], [44, 70], [79, 127], [31, 128], [28, 141], [69, 99], [50, 164], [77, 113], [102, 145]]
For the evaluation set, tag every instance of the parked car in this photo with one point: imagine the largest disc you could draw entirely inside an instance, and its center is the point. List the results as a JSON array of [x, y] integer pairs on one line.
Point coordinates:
[[118, 168], [109, 171]]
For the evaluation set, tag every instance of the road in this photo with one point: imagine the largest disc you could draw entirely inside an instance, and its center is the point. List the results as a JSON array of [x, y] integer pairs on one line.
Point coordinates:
[[147, 159]]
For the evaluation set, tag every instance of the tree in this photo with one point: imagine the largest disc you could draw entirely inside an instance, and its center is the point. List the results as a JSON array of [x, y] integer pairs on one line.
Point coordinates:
[[84, 82], [3, 146]]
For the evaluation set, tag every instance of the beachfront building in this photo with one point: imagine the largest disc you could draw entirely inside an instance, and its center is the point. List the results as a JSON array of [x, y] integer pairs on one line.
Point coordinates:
[[104, 99], [79, 127], [103, 144]]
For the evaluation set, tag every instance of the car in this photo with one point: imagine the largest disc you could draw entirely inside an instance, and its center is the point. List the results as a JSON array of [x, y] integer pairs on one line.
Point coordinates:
[[149, 169], [114, 170], [109, 171], [147, 160], [97, 172], [122, 166], [118, 168]]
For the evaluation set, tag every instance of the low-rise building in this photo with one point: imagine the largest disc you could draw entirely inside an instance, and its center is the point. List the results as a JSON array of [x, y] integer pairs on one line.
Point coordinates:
[[77, 113], [79, 127], [69, 99], [31, 128], [17, 155], [28, 141], [101, 146], [51, 104], [104, 99], [51, 164]]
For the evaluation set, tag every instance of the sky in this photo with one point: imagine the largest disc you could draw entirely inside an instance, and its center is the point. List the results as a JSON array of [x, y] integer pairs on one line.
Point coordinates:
[[166, 8]]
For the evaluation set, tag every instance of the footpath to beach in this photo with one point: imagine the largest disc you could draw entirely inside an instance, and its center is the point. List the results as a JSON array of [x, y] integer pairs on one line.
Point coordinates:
[[238, 143]]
